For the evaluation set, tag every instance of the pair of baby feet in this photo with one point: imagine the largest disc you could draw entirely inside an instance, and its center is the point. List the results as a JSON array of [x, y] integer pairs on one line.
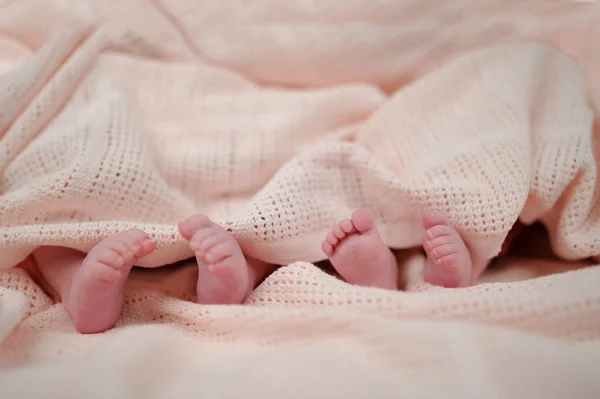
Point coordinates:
[[359, 255], [95, 297], [225, 275]]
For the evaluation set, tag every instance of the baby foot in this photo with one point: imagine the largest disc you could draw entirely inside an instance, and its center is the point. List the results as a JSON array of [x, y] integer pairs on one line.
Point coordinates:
[[449, 261], [95, 299], [223, 275], [358, 253]]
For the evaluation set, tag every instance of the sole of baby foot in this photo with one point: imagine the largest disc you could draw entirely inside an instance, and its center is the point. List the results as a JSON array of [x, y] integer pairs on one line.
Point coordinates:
[[449, 262], [359, 255], [223, 274], [95, 299]]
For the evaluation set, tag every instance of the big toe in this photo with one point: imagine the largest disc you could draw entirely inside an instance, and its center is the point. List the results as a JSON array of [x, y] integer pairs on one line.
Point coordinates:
[[191, 225], [431, 218], [362, 220]]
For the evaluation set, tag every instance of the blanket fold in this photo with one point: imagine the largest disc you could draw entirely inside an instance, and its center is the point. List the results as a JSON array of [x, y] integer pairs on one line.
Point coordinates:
[[495, 134]]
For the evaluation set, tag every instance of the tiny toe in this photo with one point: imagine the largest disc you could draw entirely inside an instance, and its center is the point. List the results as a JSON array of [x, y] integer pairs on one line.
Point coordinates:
[[195, 246], [347, 226], [201, 235], [447, 260], [188, 227], [331, 239], [135, 248], [109, 275], [443, 250], [206, 245], [327, 248], [131, 239], [111, 259], [430, 219], [438, 231], [427, 245], [338, 232], [147, 246], [218, 253], [440, 240], [121, 248], [362, 220]]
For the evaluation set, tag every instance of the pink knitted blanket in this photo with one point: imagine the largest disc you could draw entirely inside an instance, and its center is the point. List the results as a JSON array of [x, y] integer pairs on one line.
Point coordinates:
[[276, 119]]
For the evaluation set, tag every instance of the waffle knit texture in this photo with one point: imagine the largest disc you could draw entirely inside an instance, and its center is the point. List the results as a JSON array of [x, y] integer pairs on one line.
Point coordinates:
[[276, 119]]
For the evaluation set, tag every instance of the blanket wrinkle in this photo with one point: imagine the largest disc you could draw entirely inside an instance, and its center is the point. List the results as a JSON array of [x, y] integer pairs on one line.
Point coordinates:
[[277, 119]]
